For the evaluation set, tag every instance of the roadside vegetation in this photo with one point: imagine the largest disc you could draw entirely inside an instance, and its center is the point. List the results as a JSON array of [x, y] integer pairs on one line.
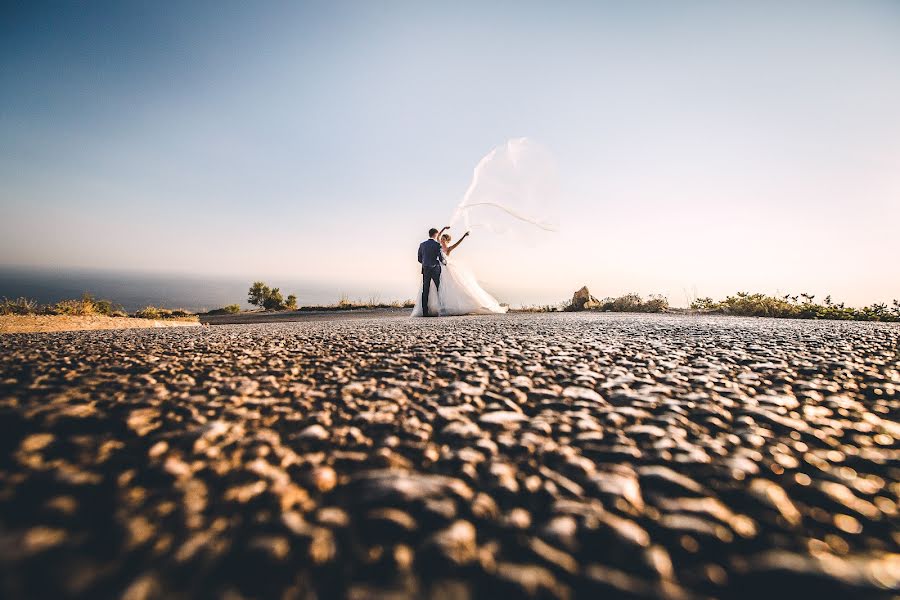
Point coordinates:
[[540, 308], [267, 298], [153, 312], [583, 301], [231, 309], [634, 303], [344, 303], [744, 304], [789, 306], [85, 306]]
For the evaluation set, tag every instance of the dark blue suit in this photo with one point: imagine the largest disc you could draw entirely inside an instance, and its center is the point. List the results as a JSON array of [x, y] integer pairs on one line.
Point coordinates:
[[431, 256]]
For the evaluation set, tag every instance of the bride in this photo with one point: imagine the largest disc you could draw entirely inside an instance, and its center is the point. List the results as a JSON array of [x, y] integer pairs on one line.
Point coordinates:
[[459, 292]]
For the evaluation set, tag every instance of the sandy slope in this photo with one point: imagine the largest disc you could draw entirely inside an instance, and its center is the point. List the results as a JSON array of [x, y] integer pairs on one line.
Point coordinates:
[[44, 323]]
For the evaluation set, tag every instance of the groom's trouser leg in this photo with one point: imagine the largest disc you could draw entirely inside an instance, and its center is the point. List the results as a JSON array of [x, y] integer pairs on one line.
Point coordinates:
[[426, 288], [429, 275], [436, 278]]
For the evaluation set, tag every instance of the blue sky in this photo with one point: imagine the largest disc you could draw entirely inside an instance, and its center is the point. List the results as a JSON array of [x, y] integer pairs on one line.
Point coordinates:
[[708, 146]]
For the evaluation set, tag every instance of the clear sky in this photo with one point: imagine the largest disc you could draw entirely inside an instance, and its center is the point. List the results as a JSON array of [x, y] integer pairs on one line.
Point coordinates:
[[703, 147]]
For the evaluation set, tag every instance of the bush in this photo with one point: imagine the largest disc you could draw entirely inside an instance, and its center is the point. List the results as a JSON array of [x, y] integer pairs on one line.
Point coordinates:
[[152, 312], [231, 309], [634, 303], [791, 307], [258, 293], [19, 306], [628, 303], [148, 312], [274, 300], [86, 306], [656, 304], [541, 308], [291, 302], [268, 298]]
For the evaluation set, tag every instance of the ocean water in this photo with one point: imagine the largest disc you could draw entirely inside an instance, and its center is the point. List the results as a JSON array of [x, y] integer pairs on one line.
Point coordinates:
[[195, 293]]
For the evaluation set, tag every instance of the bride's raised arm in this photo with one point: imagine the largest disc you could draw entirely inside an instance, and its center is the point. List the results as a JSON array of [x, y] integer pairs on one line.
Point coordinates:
[[458, 242]]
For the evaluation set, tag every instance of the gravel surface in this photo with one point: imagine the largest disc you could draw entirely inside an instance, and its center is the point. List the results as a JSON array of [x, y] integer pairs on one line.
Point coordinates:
[[540, 456]]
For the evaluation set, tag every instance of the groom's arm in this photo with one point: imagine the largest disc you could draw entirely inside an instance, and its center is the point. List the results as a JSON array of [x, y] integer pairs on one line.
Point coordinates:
[[420, 253]]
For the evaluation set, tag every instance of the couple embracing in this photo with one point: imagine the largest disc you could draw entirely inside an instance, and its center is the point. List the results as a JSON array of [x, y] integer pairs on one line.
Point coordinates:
[[448, 288]]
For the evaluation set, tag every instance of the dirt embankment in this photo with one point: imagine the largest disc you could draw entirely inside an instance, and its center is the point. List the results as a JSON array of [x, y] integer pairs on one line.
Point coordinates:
[[46, 323]]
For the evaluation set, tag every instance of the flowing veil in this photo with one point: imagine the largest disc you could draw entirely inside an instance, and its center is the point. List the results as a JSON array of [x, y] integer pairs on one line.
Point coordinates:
[[513, 192]]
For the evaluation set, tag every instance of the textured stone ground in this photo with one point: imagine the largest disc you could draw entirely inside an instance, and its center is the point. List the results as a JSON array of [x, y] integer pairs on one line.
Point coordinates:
[[545, 456]]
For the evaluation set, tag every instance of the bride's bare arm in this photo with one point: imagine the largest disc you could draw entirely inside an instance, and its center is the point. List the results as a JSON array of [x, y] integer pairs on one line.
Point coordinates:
[[458, 242]]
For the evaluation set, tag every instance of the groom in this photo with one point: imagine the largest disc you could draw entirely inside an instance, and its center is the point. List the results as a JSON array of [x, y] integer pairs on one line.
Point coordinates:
[[431, 257]]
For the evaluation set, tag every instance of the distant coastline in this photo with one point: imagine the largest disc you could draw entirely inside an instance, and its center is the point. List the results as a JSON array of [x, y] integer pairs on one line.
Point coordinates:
[[195, 293]]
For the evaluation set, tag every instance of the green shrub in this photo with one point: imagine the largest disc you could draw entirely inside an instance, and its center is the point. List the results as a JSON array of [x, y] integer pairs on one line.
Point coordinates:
[[68, 307], [258, 293], [268, 298], [291, 302], [790, 306], [19, 306], [231, 309], [274, 300], [148, 312], [656, 304], [153, 312], [541, 308], [630, 303], [86, 306], [344, 303]]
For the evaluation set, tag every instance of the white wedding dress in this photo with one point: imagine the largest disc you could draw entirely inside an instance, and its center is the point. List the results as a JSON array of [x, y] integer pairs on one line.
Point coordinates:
[[459, 294]]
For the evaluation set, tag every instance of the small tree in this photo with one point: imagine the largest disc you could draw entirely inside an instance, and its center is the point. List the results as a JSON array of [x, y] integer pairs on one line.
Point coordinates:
[[274, 301], [268, 298], [259, 291]]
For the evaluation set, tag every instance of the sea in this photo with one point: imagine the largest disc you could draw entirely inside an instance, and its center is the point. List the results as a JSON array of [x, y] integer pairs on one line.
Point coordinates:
[[195, 293]]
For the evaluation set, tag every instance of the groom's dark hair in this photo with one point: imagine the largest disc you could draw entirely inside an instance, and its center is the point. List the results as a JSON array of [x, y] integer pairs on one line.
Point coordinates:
[[432, 232]]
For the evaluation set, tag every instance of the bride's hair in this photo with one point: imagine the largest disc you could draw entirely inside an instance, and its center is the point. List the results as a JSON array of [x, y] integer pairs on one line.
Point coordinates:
[[446, 237]]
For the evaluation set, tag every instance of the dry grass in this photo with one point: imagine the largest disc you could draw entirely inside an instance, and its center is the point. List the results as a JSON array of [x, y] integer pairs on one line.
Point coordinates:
[[792, 307], [374, 301], [152, 312], [231, 309], [86, 306], [629, 303]]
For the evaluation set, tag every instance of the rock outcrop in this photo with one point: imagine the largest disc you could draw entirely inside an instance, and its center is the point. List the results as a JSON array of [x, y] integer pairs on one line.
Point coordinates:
[[582, 300]]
